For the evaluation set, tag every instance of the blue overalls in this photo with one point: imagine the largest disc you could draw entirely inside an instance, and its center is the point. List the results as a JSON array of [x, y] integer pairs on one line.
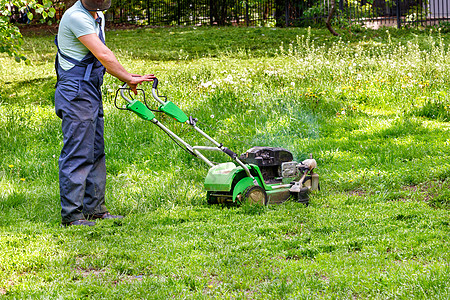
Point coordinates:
[[82, 170]]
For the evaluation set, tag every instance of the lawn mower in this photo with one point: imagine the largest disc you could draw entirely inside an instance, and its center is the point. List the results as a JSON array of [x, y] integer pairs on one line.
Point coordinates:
[[262, 175]]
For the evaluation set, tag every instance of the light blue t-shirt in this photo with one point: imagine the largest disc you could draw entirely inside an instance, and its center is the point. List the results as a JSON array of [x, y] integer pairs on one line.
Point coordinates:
[[76, 22]]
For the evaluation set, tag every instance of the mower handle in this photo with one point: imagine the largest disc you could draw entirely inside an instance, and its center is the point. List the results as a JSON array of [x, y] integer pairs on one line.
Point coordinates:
[[229, 153], [122, 89], [154, 86], [155, 83], [154, 92]]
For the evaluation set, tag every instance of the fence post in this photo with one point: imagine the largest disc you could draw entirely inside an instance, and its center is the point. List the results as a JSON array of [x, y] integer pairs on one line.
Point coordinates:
[[286, 13], [178, 12], [148, 11], [399, 20], [120, 13], [210, 12], [247, 20]]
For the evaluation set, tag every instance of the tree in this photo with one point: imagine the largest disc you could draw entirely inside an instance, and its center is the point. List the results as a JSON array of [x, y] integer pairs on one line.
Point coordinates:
[[11, 39], [332, 9]]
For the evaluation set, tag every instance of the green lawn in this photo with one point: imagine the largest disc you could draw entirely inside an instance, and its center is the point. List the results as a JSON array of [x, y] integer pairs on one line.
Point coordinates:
[[372, 106]]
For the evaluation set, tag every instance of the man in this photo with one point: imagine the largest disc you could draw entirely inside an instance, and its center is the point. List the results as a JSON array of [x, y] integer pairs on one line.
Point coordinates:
[[81, 62]]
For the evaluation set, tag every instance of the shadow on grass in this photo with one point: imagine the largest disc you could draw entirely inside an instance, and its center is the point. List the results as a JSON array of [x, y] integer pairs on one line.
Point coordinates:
[[33, 91]]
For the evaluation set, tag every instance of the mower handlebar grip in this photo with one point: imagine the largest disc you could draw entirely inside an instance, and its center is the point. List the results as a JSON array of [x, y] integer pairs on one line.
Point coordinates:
[[229, 153], [155, 83]]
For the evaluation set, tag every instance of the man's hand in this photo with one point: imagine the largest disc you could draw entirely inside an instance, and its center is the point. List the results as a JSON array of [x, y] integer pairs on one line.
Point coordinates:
[[138, 79]]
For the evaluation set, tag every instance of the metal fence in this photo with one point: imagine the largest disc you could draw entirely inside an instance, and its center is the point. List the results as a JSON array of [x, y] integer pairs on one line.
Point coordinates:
[[374, 14], [192, 12], [370, 13]]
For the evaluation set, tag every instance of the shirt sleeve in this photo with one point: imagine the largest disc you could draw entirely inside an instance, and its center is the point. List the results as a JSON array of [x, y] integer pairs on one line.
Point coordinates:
[[80, 24]]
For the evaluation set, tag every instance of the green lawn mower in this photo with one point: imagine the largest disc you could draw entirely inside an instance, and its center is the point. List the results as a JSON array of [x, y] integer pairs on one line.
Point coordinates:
[[262, 175]]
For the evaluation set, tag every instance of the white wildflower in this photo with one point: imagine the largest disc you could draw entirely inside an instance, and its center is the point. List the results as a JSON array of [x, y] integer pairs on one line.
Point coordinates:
[[271, 73], [206, 84], [229, 79]]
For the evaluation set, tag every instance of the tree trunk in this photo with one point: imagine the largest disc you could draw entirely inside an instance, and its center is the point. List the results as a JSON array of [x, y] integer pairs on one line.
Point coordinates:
[[330, 16]]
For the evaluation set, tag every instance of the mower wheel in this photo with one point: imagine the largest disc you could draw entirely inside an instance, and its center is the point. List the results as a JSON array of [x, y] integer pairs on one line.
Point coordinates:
[[255, 195]]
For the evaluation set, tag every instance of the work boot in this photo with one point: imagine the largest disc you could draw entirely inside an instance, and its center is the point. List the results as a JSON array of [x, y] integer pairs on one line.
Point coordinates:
[[105, 215], [79, 223]]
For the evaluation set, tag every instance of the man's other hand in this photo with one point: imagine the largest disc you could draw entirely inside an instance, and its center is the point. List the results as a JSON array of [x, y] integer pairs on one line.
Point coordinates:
[[138, 79]]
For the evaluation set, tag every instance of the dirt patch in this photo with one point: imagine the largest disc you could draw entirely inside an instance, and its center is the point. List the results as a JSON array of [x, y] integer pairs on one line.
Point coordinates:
[[426, 191], [357, 193], [86, 271], [322, 277], [89, 272], [214, 281], [129, 279]]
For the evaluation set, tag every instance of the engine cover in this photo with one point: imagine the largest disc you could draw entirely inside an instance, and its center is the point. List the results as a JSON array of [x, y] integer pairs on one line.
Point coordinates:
[[266, 156], [268, 159]]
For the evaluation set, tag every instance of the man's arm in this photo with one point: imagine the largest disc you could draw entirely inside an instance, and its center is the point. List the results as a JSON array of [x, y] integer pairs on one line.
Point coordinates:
[[110, 62]]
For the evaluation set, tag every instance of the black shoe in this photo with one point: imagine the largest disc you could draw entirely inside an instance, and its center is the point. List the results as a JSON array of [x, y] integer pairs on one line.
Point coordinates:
[[78, 223], [105, 215]]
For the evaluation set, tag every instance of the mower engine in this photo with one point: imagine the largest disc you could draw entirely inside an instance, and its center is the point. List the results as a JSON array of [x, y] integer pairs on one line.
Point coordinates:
[[277, 167], [269, 160]]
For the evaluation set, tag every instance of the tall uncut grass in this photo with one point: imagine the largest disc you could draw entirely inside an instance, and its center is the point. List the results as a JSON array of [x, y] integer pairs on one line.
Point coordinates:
[[371, 106]]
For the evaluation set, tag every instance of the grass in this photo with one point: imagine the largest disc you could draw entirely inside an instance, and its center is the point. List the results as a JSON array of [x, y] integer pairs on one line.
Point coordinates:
[[372, 106]]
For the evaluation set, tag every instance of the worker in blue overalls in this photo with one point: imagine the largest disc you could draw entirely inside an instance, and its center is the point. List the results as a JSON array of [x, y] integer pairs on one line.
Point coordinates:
[[81, 62]]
